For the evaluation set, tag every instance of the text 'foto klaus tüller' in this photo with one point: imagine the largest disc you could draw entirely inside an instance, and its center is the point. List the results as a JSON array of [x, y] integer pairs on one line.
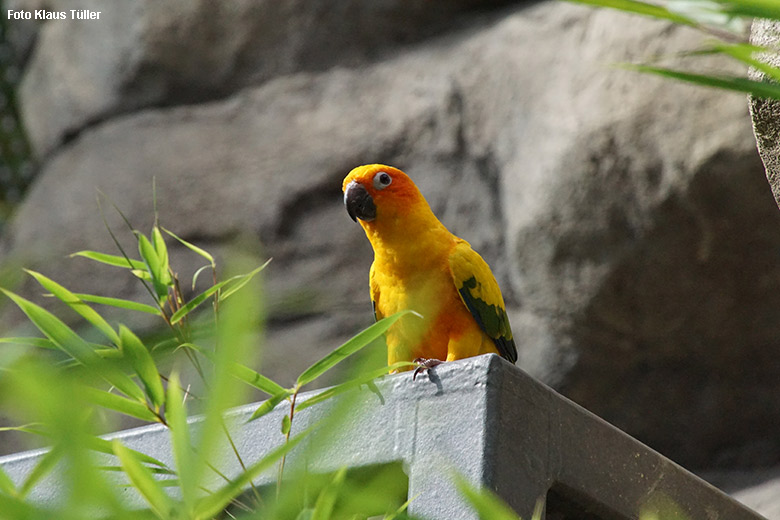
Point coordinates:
[[43, 14]]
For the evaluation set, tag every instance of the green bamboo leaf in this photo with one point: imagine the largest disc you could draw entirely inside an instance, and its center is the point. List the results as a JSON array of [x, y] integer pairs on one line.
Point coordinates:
[[326, 501], [213, 504], [286, 424], [27, 428], [143, 274], [195, 302], [176, 415], [169, 344], [73, 301], [202, 252], [642, 8], [120, 303], [234, 340], [143, 365], [148, 254], [154, 266], [101, 350], [255, 379], [162, 254], [751, 8], [306, 514], [101, 445], [746, 54], [270, 404], [758, 89], [353, 383], [120, 404], [170, 482], [70, 342], [245, 374], [237, 282], [97, 444], [14, 507], [350, 347], [44, 466], [107, 352], [117, 261], [234, 283], [401, 510], [487, 505], [6, 484], [197, 273], [154, 470], [159, 245], [33, 342], [143, 480]]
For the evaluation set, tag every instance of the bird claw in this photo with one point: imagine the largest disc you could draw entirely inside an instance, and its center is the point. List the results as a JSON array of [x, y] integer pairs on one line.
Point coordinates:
[[424, 364]]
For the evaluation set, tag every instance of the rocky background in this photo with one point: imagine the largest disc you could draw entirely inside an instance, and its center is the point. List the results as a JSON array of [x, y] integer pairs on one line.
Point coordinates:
[[627, 218]]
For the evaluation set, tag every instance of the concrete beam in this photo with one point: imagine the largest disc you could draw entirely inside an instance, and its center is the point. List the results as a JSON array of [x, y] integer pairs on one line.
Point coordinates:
[[482, 417]]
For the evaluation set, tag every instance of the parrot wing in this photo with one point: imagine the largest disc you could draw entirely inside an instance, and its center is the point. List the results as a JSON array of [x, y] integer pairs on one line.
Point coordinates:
[[480, 293]]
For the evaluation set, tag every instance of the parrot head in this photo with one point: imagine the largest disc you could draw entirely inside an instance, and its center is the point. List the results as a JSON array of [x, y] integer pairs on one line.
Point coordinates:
[[375, 191]]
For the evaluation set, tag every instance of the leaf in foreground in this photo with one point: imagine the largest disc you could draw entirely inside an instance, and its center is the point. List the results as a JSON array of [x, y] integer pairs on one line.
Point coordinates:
[[143, 480], [487, 505], [401, 509], [176, 414], [44, 466], [6, 484], [73, 301], [202, 252], [213, 504], [33, 342], [326, 501], [255, 379], [119, 303], [106, 446], [642, 8], [120, 404], [357, 342], [196, 301], [240, 281], [155, 266], [352, 383], [746, 53], [751, 8], [117, 261], [246, 374], [758, 89], [13, 507], [72, 344], [268, 405], [231, 285], [143, 365]]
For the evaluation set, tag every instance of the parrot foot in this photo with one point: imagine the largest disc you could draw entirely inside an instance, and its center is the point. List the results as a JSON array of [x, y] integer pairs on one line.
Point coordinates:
[[425, 364]]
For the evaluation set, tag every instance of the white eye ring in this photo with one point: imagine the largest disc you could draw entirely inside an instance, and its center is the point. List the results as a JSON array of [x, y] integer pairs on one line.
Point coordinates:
[[382, 180]]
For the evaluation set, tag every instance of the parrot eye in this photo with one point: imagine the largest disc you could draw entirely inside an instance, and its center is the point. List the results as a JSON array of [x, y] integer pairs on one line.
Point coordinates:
[[382, 180]]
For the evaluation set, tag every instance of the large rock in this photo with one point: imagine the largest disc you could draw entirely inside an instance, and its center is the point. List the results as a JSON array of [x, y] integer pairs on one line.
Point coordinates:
[[151, 53], [766, 112], [626, 217]]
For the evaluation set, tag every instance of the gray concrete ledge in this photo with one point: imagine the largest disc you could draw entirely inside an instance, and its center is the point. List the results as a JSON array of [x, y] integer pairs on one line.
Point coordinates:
[[481, 416]]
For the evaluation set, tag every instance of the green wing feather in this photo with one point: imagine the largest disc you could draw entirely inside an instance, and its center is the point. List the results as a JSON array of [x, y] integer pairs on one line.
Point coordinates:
[[480, 293]]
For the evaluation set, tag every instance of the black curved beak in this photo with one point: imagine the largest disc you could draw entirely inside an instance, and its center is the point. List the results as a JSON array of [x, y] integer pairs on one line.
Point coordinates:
[[359, 203]]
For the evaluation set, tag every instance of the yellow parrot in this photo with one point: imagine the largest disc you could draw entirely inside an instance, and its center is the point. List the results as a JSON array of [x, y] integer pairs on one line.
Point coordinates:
[[420, 265]]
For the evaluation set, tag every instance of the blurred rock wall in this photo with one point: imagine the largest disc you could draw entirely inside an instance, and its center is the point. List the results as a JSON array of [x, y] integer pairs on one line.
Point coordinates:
[[627, 218]]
